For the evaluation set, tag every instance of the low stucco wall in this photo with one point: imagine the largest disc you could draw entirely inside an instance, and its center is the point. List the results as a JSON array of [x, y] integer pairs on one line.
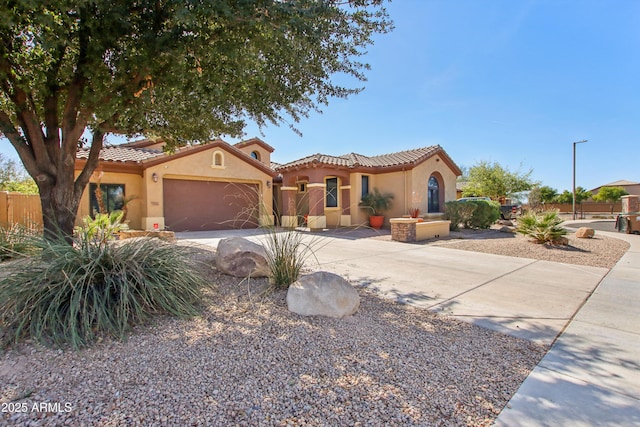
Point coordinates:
[[415, 230]]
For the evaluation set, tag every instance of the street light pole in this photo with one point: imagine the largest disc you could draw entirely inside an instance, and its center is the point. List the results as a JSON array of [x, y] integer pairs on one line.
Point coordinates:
[[574, 176]]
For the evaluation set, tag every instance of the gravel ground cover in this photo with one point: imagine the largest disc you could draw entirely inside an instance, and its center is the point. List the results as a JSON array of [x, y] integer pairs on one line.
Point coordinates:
[[248, 361], [599, 251]]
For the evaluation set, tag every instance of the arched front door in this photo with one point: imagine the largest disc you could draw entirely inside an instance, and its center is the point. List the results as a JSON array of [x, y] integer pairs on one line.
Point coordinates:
[[434, 195]]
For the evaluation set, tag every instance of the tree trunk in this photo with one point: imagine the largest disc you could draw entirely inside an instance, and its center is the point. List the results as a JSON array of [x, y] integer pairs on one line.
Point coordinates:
[[59, 210]]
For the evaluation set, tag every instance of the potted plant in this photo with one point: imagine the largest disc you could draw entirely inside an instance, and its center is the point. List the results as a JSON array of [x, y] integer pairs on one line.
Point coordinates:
[[376, 203]]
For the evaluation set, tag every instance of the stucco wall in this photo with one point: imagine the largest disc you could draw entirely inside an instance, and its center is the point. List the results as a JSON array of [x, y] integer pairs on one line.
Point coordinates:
[[263, 154], [420, 178], [410, 189], [200, 166], [133, 186]]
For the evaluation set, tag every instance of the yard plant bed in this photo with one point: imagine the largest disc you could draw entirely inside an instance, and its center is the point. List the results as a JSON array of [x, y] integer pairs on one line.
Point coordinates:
[[599, 251], [249, 361]]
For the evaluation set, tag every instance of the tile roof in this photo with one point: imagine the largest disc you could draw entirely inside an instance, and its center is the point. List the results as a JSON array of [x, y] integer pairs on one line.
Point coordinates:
[[353, 160], [620, 182], [121, 154]]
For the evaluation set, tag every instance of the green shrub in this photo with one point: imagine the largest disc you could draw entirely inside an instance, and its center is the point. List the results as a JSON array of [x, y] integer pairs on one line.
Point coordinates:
[[484, 214], [471, 213], [16, 241], [457, 213], [74, 294], [543, 227]]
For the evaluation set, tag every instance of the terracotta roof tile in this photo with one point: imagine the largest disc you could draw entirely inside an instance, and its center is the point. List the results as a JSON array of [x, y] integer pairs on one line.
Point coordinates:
[[353, 160], [121, 154]]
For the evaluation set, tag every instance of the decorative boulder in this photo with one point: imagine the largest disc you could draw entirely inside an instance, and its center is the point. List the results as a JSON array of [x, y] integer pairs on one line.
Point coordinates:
[[323, 294], [585, 233], [240, 257]]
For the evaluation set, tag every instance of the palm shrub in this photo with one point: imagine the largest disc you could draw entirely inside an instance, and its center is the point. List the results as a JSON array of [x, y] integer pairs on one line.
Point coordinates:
[[16, 241], [72, 294], [102, 228], [542, 227]]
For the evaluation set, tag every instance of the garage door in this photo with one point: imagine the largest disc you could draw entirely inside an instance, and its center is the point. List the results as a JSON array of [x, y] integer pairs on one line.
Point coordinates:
[[209, 205]]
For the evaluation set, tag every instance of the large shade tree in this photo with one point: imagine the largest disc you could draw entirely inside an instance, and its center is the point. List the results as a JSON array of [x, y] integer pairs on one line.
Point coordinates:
[[184, 70]]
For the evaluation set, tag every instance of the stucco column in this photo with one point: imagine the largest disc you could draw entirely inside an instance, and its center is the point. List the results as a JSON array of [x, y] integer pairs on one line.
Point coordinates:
[[316, 218], [289, 215], [345, 200]]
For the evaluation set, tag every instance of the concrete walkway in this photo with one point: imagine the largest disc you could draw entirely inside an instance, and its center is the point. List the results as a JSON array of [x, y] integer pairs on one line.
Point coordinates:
[[591, 375]]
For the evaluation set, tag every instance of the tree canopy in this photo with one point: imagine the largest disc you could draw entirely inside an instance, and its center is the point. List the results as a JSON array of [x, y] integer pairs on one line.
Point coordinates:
[[540, 195], [14, 178], [183, 70], [495, 181], [610, 195], [567, 196]]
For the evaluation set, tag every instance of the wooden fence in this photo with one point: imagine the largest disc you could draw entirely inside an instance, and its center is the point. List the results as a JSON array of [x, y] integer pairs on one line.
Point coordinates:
[[17, 208]]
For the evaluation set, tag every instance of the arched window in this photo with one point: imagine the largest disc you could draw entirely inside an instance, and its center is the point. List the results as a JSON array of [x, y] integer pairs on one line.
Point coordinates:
[[255, 155], [434, 195], [218, 159]]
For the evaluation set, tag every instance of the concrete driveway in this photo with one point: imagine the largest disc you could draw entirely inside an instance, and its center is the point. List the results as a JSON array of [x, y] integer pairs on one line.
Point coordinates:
[[521, 297]]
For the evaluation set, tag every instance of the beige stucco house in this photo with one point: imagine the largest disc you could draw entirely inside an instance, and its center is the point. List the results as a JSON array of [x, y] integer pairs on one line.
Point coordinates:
[[201, 187], [325, 190]]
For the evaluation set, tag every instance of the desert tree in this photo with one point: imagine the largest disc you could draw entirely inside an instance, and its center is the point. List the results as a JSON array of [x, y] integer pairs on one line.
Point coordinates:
[[495, 181], [72, 71], [610, 195]]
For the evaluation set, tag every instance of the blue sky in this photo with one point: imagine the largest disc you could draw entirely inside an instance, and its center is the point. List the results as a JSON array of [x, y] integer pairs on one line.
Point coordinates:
[[513, 82]]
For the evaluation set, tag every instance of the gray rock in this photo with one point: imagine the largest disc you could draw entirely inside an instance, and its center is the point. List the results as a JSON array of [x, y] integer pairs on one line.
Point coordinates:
[[240, 257], [323, 294]]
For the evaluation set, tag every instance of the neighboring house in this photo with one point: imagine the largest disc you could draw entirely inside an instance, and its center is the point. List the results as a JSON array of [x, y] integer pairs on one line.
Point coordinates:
[[629, 186], [200, 187], [325, 190]]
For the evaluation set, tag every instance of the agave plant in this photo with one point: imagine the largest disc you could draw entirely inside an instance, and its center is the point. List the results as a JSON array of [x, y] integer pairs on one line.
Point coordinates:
[[542, 228]]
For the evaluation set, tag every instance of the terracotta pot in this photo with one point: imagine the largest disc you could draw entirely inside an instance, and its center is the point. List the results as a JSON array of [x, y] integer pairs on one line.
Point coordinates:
[[376, 221]]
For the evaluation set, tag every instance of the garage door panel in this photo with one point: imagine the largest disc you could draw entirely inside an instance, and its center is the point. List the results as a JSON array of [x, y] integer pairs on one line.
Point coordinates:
[[209, 205]]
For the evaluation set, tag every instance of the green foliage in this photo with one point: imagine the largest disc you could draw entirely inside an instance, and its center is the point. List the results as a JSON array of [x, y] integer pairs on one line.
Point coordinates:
[[376, 202], [610, 195], [75, 294], [182, 70], [493, 180], [17, 241], [538, 196], [103, 228], [567, 196], [542, 228], [458, 213], [14, 178], [471, 213]]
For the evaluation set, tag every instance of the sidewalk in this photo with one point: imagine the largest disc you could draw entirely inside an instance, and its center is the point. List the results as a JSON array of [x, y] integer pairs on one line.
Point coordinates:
[[591, 375]]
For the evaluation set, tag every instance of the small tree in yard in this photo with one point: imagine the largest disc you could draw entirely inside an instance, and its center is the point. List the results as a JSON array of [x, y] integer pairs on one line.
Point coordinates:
[[538, 196], [567, 196], [610, 195], [493, 180], [185, 71]]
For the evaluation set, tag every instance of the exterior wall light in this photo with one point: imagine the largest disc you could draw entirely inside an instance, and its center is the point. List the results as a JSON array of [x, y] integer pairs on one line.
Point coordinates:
[[154, 177]]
